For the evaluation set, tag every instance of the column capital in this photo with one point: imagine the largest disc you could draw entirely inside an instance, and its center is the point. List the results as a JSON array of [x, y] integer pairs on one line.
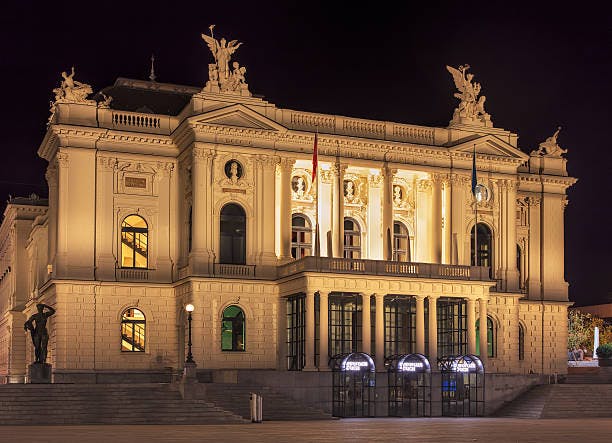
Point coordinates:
[[424, 185], [62, 159], [326, 175], [534, 201], [267, 161], [338, 169], [420, 297], [202, 153], [375, 180], [286, 164], [107, 163], [438, 178], [433, 297]]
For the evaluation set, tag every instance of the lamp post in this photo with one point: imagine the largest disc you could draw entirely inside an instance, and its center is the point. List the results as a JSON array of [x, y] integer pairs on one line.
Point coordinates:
[[189, 374], [189, 308]]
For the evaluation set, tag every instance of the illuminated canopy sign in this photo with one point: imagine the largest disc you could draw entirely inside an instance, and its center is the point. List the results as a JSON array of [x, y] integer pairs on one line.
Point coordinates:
[[464, 366], [355, 365], [411, 366]]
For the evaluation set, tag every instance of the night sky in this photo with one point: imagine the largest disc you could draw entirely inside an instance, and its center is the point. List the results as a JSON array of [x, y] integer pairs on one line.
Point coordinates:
[[540, 64]]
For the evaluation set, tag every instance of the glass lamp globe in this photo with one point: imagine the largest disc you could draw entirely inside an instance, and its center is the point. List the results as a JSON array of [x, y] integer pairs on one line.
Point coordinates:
[[189, 308]]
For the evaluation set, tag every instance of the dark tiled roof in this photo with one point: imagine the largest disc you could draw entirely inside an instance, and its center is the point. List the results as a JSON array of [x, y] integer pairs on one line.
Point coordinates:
[[147, 97]]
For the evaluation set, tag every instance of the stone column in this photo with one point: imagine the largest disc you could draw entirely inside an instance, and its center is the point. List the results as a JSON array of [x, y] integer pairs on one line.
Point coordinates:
[[376, 235], [436, 219], [105, 261], [52, 180], [325, 182], [310, 330], [366, 327], [471, 326], [162, 181], [423, 222], [420, 324], [534, 284], [61, 257], [511, 270], [482, 307], [285, 167], [267, 223], [433, 330], [323, 331], [380, 332], [202, 255], [387, 222], [457, 218], [446, 231], [338, 209]]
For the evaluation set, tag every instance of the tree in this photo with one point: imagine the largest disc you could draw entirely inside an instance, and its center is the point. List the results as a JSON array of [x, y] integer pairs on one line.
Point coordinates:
[[581, 328]]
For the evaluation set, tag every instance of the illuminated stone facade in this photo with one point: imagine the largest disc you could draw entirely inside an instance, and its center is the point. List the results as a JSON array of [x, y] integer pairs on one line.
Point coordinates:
[[168, 195]]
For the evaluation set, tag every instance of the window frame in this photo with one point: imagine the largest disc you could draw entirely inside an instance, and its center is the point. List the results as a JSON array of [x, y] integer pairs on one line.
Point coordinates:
[[127, 321], [234, 335], [303, 248], [351, 251], [135, 230]]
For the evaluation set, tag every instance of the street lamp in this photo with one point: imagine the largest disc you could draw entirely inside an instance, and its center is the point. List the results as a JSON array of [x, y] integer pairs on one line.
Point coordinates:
[[189, 308]]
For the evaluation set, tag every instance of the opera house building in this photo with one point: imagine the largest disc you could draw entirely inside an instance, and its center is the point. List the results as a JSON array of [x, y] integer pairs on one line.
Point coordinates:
[[316, 250]]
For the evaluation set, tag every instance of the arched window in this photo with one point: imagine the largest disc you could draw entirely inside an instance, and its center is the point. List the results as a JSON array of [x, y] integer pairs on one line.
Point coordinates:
[[484, 246], [521, 342], [134, 242], [301, 237], [133, 328], [491, 338], [233, 235], [232, 329], [401, 242], [352, 239]]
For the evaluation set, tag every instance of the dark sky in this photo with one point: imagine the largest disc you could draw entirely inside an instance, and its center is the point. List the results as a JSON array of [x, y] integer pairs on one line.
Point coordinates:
[[541, 64]]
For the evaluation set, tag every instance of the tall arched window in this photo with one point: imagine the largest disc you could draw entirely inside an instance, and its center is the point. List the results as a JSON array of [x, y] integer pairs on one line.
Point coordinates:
[[233, 329], [134, 242], [352, 239], [233, 235], [521, 342], [491, 338], [133, 328], [401, 242], [301, 237], [485, 243]]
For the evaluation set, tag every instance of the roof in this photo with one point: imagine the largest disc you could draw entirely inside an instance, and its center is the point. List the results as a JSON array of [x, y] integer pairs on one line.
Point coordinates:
[[147, 97]]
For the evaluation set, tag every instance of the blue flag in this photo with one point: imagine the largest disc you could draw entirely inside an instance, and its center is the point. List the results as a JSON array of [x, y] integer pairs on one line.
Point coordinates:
[[474, 179]]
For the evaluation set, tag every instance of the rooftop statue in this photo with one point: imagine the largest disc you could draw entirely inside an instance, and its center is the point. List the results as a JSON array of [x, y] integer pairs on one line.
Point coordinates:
[[220, 77], [471, 107], [71, 90], [550, 147]]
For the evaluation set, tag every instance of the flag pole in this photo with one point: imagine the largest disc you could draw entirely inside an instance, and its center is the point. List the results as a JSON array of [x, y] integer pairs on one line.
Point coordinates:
[[474, 186], [315, 173]]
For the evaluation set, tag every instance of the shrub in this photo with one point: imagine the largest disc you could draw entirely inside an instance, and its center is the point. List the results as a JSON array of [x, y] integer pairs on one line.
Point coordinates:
[[605, 351]]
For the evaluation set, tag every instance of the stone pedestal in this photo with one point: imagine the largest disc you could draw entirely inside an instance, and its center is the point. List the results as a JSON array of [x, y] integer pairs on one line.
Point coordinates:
[[189, 373], [39, 373]]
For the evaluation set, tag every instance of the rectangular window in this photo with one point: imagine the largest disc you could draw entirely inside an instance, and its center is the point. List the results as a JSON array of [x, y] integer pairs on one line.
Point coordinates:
[[400, 325], [452, 327], [345, 323], [296, 329]]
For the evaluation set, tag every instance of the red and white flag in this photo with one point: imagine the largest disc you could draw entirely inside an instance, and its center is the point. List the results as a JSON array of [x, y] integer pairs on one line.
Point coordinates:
[[315, 158]]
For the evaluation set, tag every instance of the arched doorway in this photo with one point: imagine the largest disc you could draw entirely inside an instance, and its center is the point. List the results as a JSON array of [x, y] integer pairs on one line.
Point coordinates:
[[484, 247], [354, 385]]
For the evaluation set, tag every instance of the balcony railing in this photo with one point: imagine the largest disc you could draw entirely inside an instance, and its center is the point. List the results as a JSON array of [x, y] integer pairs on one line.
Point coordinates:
[[384, 268], [235, 271], [133, 274]]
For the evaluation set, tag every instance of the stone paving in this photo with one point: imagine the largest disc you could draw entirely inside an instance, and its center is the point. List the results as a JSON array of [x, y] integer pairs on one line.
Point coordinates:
[[464, 430]]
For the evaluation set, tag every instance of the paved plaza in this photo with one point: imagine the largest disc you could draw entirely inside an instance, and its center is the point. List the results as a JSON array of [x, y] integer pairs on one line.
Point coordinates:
[[465, 430]]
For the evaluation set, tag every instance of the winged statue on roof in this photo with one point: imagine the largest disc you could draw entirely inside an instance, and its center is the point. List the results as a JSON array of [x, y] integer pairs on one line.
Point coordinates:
[[471, 107], [220, 77]]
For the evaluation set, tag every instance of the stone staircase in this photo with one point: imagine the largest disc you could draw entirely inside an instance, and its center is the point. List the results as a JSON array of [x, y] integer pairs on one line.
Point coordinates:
[[593, 375], [275, 406], [528, 405], [143, 403], [562, 401]]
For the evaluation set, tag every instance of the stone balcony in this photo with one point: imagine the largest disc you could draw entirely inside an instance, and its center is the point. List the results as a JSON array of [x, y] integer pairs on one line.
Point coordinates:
[[383, 268]]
